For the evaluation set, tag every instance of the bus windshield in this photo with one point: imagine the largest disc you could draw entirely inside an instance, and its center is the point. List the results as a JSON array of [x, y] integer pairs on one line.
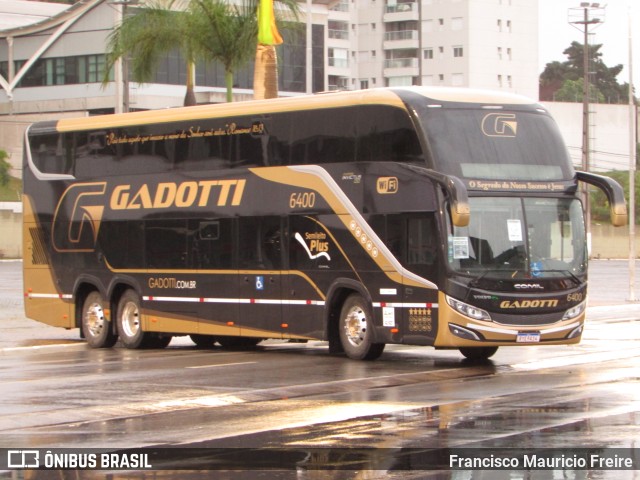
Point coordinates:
[[496, 145], [520, 238]]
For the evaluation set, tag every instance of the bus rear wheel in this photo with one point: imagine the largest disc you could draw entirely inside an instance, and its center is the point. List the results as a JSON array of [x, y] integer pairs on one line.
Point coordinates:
[[478, 353], [96, 328], [356, 329], [129, 321]]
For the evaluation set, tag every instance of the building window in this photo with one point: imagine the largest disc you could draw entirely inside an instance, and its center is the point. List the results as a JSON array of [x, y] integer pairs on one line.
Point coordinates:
[[500, 81], [456, 24], [509, 57], [458, 52], [499, 53], [339, 57], [499, 25], [64, 71], [428, 53]]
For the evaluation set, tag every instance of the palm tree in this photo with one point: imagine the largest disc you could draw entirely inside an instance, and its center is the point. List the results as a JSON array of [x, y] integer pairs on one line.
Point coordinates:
[[265, 78], [147, 35], [227, 33]]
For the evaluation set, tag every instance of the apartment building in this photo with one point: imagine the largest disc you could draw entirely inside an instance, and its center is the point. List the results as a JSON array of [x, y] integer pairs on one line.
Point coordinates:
[[468, 43]]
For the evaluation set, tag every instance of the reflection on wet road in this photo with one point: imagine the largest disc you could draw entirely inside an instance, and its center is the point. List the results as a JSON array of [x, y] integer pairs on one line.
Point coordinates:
[[298, 396]]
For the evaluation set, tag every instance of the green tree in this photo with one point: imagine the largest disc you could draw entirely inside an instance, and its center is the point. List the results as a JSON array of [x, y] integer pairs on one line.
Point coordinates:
[[603, 78], [5, 166], [573, 91], [146, 35], [599, 203]]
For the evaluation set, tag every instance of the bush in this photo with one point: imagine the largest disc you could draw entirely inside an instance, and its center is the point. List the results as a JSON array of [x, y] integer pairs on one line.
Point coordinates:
[[5, 166]]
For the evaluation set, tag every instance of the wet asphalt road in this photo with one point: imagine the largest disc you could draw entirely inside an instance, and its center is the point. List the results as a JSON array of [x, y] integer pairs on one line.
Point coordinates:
[[56, 392]]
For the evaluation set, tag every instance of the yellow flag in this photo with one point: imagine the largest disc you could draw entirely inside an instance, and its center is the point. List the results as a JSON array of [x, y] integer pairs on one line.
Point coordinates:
[[267, 31]]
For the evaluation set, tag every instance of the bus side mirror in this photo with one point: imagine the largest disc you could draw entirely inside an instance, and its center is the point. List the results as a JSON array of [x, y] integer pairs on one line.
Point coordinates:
[[456, 193], [614, 193]]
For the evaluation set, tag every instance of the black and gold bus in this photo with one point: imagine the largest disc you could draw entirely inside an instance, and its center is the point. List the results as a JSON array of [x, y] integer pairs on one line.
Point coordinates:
[[442, 217]]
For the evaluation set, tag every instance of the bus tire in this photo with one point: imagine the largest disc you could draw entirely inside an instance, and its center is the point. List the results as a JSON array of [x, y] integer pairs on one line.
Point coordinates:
[[203, 341], [478, 353], [157, 340], [96, 327], [129, 321], [356, 329]]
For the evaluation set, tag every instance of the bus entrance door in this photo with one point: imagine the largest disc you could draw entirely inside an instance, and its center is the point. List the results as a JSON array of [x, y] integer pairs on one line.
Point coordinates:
[[260, 279]]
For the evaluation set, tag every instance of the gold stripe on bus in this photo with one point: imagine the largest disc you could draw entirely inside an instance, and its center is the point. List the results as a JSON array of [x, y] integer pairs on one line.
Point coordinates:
[[163, 322], [318, 179], [233, 109], [158, 271]]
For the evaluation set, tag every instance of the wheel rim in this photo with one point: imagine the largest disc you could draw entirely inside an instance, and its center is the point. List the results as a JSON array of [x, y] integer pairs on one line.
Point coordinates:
[[130, 319], [355, 326], [94, 319]]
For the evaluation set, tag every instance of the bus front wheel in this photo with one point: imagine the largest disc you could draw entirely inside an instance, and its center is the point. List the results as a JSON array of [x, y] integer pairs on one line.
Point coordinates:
[[478, 353], [96, 328], [129, 320], [356, 330]]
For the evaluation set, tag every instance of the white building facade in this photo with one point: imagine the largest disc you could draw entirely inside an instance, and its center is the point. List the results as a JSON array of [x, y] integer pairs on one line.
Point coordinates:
[[466, 43]]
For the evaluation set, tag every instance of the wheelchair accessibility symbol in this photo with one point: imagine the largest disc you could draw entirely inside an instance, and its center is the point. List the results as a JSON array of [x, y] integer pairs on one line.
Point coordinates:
[[259, 282]]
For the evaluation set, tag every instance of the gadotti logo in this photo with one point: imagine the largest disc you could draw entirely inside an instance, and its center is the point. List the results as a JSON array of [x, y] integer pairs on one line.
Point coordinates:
[[500, 125], [79, 213]]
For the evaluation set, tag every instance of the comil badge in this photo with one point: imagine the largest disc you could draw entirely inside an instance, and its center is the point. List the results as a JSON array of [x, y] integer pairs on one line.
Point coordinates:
[[500, 125]]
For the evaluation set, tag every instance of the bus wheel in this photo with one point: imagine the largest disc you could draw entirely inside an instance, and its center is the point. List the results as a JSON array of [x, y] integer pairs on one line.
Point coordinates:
[[157, 340], [478, 353], [356, 324], [96, 328], [203, 341], [129, 321]]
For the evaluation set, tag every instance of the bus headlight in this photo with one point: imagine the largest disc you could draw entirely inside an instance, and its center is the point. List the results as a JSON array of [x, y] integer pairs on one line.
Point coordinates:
[[468, 310], [573, 312]]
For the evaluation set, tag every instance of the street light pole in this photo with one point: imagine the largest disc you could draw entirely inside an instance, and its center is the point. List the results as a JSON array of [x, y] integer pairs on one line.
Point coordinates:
[[581, 17], [632, 175]]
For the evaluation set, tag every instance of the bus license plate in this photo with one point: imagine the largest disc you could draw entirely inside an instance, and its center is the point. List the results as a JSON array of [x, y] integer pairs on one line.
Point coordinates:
[[528, 338]]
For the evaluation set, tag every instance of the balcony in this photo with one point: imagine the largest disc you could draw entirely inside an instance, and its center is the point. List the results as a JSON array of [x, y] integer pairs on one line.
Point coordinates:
[[339, 34], [401, 67], [398, 39], [401, 12]]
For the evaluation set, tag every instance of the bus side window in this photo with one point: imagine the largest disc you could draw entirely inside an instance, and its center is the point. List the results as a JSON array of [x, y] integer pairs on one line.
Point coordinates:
[[320, 137], [386, 134], [212, 243], [166, 243], [52, 153], [260, 243], [421, 241]]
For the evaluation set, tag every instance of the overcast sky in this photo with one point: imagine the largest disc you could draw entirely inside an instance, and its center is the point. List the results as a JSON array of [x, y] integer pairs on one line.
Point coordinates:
[[556, 34]]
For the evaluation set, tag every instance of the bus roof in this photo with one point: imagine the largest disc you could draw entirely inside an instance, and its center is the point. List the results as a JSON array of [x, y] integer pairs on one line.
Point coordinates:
[[376, 96]]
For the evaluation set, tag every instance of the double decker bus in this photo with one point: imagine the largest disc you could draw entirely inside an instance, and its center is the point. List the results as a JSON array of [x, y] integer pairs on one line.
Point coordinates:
[[440, 217]]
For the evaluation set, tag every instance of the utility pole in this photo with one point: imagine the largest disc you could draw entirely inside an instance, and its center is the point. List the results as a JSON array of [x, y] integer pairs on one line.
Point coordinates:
[[632, 174], [582, 17]]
